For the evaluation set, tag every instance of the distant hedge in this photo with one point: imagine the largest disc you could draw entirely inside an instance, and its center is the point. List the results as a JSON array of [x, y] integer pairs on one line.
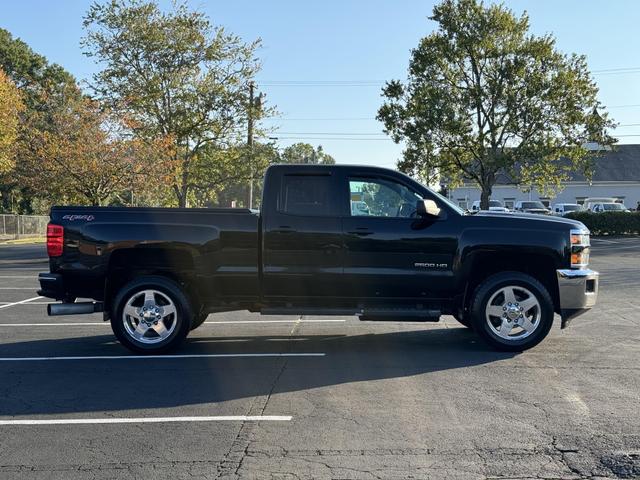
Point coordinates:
[[609, 223]]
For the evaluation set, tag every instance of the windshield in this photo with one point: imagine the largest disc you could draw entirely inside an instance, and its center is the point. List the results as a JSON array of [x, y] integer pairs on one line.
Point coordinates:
[[448, 202], [495, 203], [571, 208], [613, 206], [532, 205]]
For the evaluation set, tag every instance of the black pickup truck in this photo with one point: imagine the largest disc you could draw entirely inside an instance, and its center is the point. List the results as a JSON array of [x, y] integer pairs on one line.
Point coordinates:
[[329, 240]]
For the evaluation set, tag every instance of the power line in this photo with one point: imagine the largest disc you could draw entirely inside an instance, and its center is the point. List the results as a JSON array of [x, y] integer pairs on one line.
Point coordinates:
[[334, 138], [323, 82], [330, 133], [346, 83], [320, 119], [375, 139], [625, 106], [616, 71], [377, 83]]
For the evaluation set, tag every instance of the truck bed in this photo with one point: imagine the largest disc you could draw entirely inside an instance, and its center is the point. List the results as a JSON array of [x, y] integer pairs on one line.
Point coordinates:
[[218, 245]]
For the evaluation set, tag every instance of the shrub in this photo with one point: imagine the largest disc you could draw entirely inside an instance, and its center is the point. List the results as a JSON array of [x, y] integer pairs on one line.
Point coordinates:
[[609, 223]]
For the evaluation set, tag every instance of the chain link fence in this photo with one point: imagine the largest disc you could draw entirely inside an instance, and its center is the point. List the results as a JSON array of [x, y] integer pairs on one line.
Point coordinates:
[[22, 226]]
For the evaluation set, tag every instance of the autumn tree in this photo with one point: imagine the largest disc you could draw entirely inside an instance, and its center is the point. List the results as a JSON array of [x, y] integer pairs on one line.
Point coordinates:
[[81, 157], [174, 76], [10, 107], [485, 96], [43, 87], [306, 153]]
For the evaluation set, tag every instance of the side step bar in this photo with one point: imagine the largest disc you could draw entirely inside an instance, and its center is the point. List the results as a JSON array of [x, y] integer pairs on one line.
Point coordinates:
[[80, 308], [382, 315], [400, 315], [310, 311]]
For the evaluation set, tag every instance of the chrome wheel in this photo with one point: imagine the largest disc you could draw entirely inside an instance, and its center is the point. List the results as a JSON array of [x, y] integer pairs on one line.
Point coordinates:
[[513, 313], [149, 316]]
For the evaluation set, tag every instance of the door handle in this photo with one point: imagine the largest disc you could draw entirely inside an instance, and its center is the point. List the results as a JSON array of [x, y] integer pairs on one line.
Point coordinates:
[[362, 231], [283, 229]]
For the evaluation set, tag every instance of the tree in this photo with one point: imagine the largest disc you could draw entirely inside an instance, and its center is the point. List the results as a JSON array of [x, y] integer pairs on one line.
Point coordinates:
[[237, 190], [484, 97], [306, 153], [81, 157], [174, 76], [43, 88], [10, 107], [32, 73]]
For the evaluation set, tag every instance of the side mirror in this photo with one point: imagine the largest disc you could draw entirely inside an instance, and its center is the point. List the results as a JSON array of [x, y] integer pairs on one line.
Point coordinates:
[[427, 208]]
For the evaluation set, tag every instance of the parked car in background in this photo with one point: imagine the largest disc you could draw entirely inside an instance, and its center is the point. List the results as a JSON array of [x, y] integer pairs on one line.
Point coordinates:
[[494, 206], [562, 209], [531, 206], [608, 207], [591, 201]]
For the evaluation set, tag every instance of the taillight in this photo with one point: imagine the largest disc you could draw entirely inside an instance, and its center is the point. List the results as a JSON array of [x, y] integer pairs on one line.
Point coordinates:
[[55, 240]]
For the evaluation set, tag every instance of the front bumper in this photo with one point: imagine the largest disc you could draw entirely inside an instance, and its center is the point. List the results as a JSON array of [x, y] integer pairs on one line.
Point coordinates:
[[578, 292]]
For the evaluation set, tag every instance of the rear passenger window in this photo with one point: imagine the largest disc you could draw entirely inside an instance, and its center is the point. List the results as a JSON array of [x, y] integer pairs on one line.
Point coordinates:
[[306, 195]]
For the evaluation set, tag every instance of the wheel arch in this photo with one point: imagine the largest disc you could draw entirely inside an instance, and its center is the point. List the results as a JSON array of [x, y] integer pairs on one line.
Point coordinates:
[[483, 264], [126, 264]]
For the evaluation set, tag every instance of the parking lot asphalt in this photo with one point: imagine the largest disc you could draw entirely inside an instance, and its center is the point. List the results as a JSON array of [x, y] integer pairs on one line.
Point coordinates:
[[320, 397]]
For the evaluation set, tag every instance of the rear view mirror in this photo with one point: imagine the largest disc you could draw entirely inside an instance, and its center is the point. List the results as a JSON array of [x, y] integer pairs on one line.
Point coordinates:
[[427, 208]]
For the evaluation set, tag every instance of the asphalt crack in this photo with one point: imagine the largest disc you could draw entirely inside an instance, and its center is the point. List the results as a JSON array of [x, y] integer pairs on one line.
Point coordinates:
[[233, 460]]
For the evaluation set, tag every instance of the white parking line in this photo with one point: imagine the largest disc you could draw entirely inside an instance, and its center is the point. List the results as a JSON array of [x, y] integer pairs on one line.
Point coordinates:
[[158, 357], [20, 302], [598, 240], [30, 303], [94, 421]]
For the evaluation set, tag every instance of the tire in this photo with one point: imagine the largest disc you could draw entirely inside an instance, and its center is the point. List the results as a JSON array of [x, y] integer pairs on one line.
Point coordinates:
[[165, 321], [512, 311], [198, 319]]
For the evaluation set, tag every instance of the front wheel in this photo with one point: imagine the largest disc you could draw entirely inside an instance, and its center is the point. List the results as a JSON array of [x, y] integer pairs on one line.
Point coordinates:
[[150, 315], [512, 311]]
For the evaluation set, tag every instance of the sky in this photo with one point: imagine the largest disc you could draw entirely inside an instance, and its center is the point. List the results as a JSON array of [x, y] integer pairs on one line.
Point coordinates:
[[338, 54]]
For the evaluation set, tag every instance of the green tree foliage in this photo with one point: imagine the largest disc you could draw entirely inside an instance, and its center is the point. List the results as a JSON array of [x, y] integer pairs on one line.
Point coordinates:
[[306, 153], [236, 190], [44, 88], [485, 96], [174, 75], [32, 73]]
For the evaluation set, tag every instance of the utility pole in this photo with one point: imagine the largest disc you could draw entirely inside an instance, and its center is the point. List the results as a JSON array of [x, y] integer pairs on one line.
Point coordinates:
[[250, 142]]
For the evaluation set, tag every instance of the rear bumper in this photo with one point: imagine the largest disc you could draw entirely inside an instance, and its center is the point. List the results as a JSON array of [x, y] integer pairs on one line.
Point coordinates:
[[51, 286], [578, 292]]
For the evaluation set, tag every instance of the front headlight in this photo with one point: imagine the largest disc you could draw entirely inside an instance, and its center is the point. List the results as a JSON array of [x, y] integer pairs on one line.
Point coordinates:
[[580, 243]]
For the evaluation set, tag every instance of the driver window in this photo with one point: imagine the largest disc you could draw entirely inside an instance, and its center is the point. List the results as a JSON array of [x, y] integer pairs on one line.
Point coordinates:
[[378, 197]]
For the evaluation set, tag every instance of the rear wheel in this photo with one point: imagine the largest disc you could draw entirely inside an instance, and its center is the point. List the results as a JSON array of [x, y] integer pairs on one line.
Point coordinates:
[[512, 311], [151, 315]]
